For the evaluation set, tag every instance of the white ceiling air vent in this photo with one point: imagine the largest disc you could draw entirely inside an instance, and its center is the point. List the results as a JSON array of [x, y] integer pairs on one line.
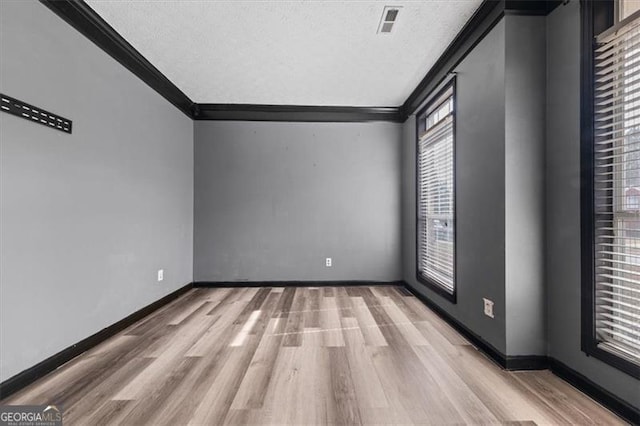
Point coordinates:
[[388, 20]]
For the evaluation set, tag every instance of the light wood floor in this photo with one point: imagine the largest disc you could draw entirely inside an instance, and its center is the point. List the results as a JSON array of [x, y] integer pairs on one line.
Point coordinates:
[[343, 355]]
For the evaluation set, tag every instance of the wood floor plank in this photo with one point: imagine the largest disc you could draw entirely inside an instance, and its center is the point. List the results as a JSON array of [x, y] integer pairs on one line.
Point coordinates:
[[421, 395], [155, 397], [159, 318], [190, 393], [390, 330], [435, 321], [165, 357], [464, 400], [285, 385], [330, 321], [97, 393], [556, 395], [285, 302], [491, 384], [313, 337], [106, 414], [312, 309], [301, 356], [403, 323], [370, 330], [343, 300], [366, 382], [213, 298], [295, 319], [345, 399], [168, 337], [395, 390], [256, 380], [223, 318], [300, 392], [245, 417]]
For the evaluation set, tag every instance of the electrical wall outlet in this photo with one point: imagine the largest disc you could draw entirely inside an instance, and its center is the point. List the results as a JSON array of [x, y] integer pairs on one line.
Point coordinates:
[[488, 307], [327, 262], [160, 274]]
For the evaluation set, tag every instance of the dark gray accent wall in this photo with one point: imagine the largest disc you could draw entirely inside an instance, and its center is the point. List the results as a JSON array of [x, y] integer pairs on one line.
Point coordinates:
[[525, 102], [87, 219], [500, 134], [563, 206], [273, 200], [480, 189]]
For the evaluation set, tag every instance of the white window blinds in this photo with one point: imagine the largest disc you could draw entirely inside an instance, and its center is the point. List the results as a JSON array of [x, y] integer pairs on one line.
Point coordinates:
[[436, 193], [617, 192]]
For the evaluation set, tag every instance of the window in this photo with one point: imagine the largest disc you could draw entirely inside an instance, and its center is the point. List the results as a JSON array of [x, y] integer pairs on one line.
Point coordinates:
[[626, 8], [611, 317], [436, 194]]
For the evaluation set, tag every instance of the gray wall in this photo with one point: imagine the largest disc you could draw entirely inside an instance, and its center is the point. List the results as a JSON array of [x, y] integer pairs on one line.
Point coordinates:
[[525, 102], [480, 188], [273, 200], [563, 206], [518, 177], [500, 122], [86, 219]]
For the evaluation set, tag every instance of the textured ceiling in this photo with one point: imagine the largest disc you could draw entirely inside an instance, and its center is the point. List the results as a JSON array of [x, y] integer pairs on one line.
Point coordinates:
[[294, 52]]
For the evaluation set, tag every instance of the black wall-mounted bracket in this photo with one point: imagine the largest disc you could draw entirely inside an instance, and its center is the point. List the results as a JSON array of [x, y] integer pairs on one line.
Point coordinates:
[[35, 114]]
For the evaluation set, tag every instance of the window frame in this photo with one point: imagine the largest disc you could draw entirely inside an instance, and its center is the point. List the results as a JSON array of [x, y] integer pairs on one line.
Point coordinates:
[[449, 84], [596, 17]]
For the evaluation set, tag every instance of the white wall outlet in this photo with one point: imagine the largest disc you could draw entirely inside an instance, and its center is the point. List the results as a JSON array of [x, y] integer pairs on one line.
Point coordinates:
[[488, 307], [327, 262], [160, 274]]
